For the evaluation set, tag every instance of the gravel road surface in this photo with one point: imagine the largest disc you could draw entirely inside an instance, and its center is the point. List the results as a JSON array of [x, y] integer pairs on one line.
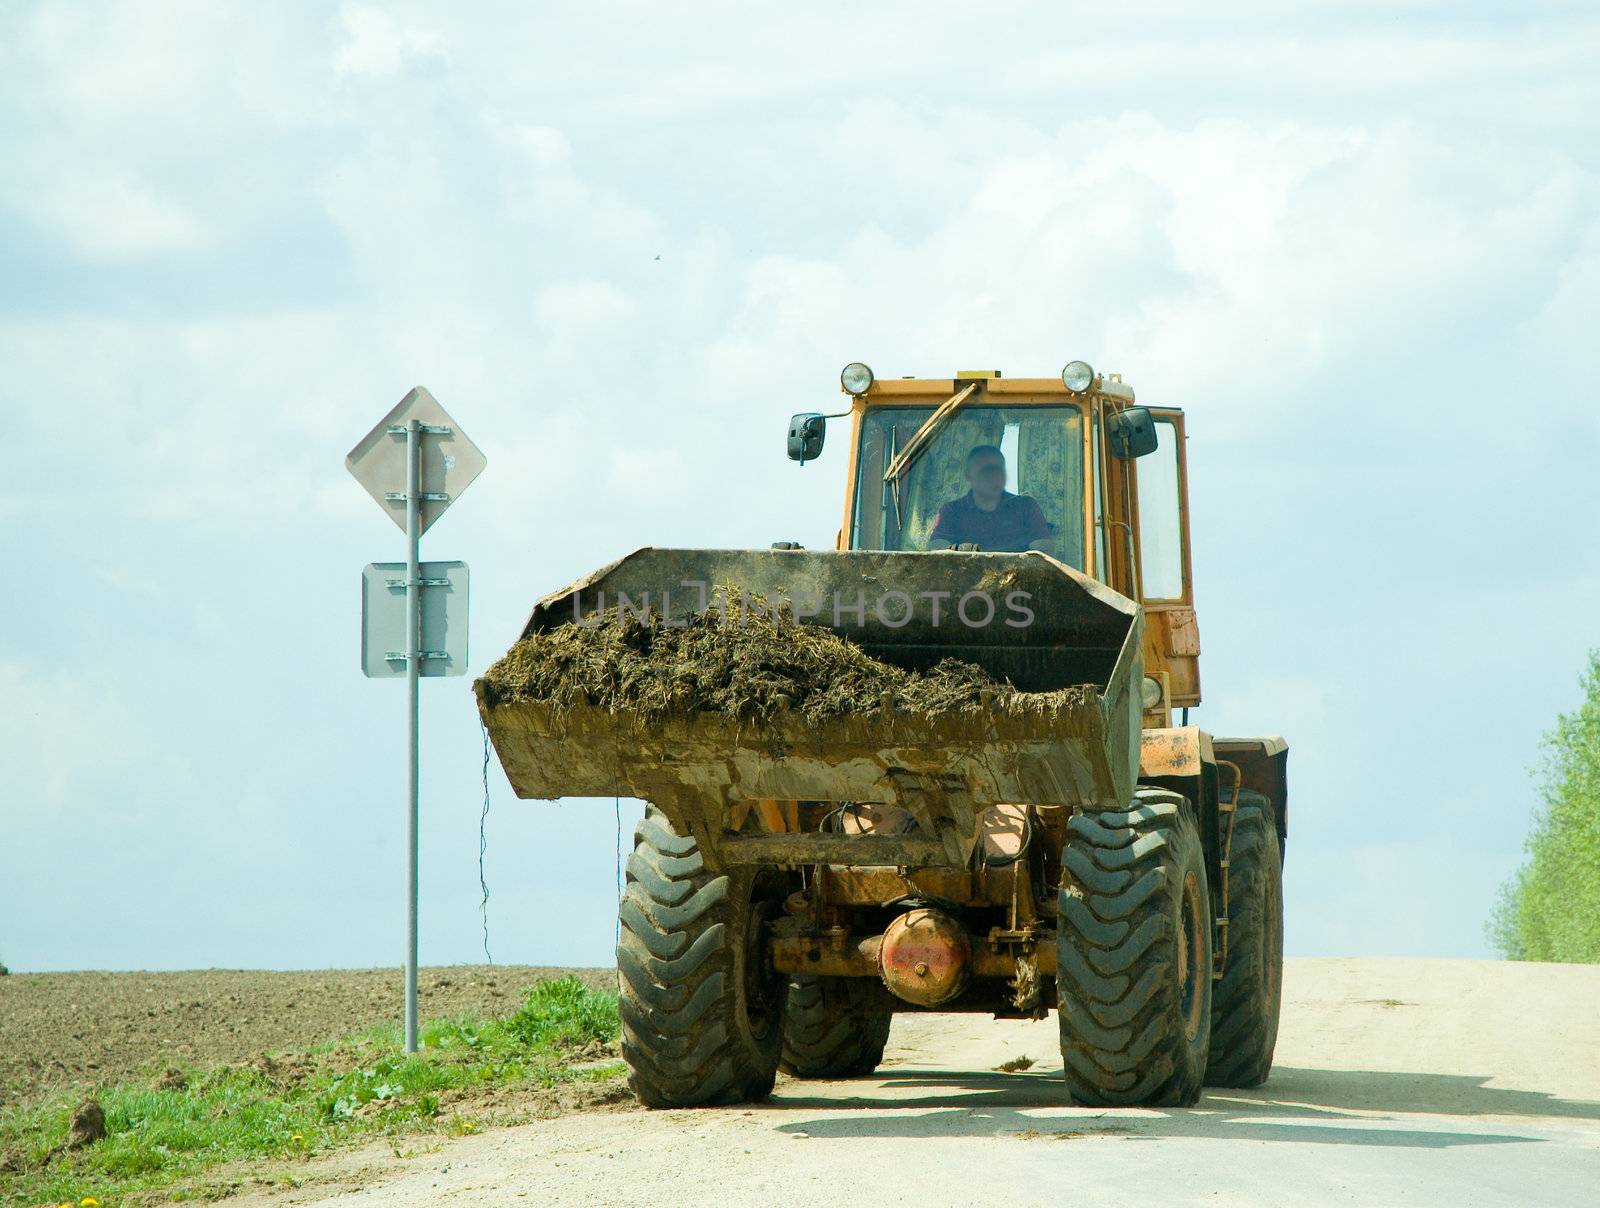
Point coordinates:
[[1399, 1082]]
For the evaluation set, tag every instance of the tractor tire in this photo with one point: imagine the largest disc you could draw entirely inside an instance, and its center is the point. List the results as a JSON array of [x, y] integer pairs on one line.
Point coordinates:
[[701, 1006], [1134, 955], [1244, 1004], [835, 1027]]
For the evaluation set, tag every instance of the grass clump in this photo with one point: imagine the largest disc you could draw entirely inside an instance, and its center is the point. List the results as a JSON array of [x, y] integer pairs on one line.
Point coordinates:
[[565, 1015], [163, 1134]]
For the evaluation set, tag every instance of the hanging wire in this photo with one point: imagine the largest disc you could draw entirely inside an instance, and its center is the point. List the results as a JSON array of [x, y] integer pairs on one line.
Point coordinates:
[[483, 846], [616, 804]]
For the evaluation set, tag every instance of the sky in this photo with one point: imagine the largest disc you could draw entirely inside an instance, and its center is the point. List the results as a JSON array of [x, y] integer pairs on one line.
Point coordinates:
[[621, 243]]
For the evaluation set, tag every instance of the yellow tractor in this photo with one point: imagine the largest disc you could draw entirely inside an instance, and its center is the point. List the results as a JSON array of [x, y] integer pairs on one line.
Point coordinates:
[[1073, 843]]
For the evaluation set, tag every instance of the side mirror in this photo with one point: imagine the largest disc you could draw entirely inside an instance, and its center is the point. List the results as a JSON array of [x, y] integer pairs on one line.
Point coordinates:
[[1132, 433], [806, 433]]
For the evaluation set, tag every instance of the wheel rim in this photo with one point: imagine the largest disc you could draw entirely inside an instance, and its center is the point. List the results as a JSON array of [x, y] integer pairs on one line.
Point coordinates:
[[1191, 948], [763, 985]]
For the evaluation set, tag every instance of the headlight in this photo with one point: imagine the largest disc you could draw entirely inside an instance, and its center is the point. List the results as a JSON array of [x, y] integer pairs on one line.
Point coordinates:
[[1150, 692], [1077, 376], [856, 378]]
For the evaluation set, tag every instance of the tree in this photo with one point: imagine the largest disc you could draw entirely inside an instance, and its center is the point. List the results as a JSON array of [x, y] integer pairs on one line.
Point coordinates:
[[1550, 909]]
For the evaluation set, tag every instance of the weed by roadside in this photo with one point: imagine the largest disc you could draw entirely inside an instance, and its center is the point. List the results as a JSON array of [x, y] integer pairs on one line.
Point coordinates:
[[165, 1130]]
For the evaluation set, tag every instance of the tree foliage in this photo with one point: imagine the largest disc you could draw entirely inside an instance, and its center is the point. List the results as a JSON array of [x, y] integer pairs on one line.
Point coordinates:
[[1550, 909]]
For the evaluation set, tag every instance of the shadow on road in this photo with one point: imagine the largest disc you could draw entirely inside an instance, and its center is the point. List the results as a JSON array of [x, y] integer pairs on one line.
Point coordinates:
[[1302, 1105], [1371, 1090]]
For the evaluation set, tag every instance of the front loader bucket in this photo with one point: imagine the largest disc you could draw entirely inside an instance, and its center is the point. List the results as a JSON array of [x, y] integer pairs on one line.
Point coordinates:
[[1069, 736]]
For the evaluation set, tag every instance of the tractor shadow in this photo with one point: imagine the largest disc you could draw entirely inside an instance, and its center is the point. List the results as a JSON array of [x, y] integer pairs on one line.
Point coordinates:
[[1335, 1107]]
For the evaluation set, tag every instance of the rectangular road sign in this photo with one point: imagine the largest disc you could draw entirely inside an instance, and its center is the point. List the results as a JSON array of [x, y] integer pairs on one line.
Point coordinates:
[[444, 619]]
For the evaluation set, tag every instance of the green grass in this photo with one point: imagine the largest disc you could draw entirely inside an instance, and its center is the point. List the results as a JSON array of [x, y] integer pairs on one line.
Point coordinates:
[[285, 1111]]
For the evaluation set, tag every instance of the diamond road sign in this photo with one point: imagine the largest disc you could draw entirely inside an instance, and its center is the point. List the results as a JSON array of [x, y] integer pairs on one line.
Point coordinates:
[[449, 460], [443, 641]]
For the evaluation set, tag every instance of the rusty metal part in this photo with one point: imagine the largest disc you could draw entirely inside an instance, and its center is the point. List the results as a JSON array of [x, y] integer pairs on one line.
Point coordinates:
[[1070, 739], [813, 847], [858, 957], [1174, 751], [943, 769], [882, 886], [873, 818], [1022, 913], [1003, 832], [925, 957]]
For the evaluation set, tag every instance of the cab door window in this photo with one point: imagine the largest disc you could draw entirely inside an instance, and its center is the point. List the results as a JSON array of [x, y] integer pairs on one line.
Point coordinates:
[[1161, 536]]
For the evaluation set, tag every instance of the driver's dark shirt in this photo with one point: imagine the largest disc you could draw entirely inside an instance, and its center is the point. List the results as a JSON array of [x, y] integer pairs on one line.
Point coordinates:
[[1016, 523]]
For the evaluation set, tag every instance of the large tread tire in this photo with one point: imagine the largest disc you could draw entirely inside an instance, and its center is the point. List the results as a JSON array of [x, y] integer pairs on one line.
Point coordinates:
[[702, 1012], [1134, 955], [835, 1027], [1245, 1003]]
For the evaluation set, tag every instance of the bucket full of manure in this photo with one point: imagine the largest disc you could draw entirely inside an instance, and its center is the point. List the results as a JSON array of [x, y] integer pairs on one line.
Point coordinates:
[[710, 682]]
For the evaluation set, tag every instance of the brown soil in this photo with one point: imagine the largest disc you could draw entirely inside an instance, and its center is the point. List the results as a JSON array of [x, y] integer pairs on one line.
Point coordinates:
[[79, 1030], [742, 662]]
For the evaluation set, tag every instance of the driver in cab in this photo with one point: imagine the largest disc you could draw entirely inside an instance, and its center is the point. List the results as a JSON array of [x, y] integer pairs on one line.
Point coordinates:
[[988, 515]]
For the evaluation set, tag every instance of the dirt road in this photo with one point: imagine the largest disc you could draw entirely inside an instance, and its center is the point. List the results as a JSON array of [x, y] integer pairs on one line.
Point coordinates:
[[1399, 1082]]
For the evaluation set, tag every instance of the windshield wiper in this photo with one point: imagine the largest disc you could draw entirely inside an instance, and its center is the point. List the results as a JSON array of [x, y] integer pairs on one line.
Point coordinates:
[[922, 438]]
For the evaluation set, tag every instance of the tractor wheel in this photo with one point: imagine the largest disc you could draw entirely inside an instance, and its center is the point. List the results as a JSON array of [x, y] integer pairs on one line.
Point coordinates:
[[835, 1027], [1134, 955], [1244, 1004], [701, 1006]]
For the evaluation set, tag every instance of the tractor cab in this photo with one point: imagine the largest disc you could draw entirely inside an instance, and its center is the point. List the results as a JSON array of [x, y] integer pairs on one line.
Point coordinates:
[[1085, 475]]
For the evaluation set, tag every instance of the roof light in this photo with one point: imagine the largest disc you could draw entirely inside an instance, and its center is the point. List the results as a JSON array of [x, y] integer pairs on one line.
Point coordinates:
[[856, 378], [1077, 376]]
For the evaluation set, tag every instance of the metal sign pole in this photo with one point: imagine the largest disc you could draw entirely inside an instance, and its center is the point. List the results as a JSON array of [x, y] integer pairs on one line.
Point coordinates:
[[413, 684], [434, 612]]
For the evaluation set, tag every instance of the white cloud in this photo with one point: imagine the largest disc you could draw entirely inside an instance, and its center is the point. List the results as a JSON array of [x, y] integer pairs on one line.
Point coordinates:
[[1277, 225], [378, 45], [115, 219], [582, 304], [66, 741], [547, 146]]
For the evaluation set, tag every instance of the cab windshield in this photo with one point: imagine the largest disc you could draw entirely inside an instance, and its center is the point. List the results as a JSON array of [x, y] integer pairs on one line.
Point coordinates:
[[1001, 478]]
